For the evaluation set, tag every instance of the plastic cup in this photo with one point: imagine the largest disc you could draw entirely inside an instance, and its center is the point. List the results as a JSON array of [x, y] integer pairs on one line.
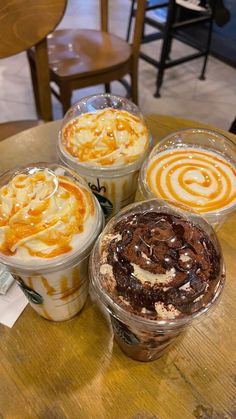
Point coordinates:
[[105, 139], [196, 167], [49, 221], [147, 313]]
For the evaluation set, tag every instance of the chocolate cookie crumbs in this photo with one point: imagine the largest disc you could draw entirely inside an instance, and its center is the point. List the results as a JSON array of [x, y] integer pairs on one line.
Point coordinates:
[[159, 265]]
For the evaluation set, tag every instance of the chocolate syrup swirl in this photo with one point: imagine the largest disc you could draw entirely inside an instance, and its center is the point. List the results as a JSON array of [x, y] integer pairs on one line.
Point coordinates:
[[161, 244]]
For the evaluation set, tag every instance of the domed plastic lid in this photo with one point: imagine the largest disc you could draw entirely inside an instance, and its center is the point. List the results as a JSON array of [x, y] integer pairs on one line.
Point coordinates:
[[104, 132], [49, 219], [157, 263]]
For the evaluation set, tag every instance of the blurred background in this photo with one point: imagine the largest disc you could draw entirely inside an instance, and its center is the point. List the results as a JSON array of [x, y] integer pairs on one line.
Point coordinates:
[[212, 101]]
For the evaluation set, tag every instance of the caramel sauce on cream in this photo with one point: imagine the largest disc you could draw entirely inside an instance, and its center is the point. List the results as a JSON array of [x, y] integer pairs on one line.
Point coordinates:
[[203, 180], [106, 137], [40, 213]]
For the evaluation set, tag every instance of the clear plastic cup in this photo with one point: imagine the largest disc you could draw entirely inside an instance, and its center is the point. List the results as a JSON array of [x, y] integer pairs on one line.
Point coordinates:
[[196, 167], [49, 220], [155, 268], [105, 139]]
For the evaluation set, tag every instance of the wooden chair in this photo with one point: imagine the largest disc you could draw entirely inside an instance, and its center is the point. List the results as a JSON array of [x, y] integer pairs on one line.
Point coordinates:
[[202, 13], [23, 24], [83, 57]]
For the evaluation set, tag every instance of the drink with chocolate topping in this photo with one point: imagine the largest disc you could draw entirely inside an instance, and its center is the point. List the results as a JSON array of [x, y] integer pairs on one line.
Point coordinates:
[[195, 167], [155, 268], [49, 220], [105, 139]]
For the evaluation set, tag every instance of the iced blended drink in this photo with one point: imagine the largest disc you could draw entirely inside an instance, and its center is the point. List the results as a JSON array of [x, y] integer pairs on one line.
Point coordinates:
[[199, 175], [155, 268], [105, 139], [48, 223]]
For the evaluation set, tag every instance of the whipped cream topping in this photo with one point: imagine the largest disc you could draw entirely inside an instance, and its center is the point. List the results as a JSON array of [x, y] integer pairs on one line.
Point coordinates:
[[43, 215], [202, 179], [107, 137]]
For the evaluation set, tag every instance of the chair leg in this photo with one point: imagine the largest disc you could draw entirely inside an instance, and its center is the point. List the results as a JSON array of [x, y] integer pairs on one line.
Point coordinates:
[[34, 83], [202, 75], [169, 48], [134, 85], [43, 80], [65, 97], [107, 88], [130, 20], [166, 46]]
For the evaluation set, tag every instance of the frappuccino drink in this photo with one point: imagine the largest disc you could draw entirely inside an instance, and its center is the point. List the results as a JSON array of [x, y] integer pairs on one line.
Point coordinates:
[[105, 139], [48, 222], [155, 268], [200, 173]]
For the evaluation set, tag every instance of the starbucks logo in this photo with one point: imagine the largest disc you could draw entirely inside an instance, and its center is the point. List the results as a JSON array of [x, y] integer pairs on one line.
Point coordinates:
[[124, 333], [106, 204], [33, 296]]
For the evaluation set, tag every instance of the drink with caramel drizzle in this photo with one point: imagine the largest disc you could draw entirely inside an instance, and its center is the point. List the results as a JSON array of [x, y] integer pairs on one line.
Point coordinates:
[[106, 144], [204, 178], [48, 222]]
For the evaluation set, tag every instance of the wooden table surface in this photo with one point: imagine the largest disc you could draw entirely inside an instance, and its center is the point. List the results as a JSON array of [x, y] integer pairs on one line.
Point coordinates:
[[75, 370]]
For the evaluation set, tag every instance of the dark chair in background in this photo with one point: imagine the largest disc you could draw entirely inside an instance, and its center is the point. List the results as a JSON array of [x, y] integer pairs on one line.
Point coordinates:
[[233, 127], [201, 13], [23, 24], [83, 57]]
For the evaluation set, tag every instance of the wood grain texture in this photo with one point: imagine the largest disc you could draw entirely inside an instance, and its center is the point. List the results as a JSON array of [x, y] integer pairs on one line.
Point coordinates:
[[24, 23], [75, 370], [7, 129]]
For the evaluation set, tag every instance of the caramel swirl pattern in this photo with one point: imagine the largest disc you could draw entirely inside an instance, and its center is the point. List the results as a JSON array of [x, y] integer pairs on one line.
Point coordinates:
[[107, 137], [42, 214], [195, 177]]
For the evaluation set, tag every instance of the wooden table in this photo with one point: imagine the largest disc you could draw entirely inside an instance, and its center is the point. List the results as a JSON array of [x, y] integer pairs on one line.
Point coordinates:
[[75, 370]]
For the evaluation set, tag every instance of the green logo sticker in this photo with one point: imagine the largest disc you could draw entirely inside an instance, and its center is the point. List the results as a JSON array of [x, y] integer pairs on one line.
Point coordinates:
[[33, 296], [106, 204], [123, 332]]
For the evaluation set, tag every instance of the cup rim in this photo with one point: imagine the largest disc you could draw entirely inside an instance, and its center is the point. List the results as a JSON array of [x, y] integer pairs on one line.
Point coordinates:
[[193, 130], [147, 193], [126, 316], [107, 171], [63, 261]]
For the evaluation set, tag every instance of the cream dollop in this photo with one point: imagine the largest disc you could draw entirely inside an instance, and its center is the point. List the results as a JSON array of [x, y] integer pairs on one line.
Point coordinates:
[[43, 215], [106, 137]]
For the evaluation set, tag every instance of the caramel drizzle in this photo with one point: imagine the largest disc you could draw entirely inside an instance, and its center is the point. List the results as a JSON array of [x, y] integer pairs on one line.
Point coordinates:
[[104, 145], [20, 229], [49, 288], [208, 173], [66, 291]]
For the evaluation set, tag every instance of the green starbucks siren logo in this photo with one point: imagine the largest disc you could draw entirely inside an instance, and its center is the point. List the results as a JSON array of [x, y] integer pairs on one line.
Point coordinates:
[[33, 296], [123, 332], [105, 203]]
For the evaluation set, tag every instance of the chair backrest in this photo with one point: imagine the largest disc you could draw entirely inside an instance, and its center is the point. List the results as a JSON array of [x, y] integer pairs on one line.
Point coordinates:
[[24, 23], [138, 27]]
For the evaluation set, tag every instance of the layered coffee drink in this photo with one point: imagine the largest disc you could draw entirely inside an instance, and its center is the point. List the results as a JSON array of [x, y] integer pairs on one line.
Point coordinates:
[[48, 222], [106, 146], [158, 269]]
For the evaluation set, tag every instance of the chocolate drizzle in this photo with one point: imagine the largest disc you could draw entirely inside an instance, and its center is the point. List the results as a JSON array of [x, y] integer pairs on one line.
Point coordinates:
[[165, 246]]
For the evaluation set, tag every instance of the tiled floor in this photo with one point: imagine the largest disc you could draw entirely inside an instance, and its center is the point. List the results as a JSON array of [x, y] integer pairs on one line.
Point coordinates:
[[212, 101]]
